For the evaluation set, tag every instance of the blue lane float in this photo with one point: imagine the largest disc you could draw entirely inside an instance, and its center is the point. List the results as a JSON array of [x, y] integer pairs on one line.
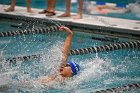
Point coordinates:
[[82, 51]]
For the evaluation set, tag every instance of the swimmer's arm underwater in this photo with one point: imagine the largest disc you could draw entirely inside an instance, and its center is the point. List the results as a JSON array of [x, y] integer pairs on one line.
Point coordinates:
[[67, 45]]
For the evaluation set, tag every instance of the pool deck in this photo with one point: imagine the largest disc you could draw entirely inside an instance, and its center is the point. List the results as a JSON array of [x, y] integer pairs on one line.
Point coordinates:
[[88, 21]]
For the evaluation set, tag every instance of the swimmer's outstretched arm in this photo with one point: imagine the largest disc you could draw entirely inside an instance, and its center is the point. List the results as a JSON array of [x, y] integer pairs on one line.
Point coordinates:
[[67, 44]]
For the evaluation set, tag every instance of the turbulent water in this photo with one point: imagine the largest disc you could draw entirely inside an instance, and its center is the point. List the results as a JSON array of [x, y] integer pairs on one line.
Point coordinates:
[[135, 9], [96, 73], [23, 76]]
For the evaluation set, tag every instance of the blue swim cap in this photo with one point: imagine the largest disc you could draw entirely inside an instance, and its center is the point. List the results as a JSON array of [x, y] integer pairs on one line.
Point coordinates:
[[74, 66]]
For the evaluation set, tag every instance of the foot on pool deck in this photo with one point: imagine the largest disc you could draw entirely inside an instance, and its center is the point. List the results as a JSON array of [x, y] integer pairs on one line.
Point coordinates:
[[9, 9], [30, 11], [49, 13], [65, 15], [78, 16], [42, 12]]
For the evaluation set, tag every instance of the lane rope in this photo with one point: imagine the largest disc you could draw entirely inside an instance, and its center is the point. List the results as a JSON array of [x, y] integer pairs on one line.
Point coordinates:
[[82, 51], [109, 47], [129, 87], [37, 30]]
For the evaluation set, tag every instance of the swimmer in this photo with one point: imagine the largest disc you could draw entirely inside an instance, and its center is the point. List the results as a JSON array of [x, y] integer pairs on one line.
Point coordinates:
[[12, 7], [105, 9], [67, 68]]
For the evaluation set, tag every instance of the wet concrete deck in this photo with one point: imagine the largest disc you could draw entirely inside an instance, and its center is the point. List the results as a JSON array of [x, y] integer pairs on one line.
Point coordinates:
[[88, 21]]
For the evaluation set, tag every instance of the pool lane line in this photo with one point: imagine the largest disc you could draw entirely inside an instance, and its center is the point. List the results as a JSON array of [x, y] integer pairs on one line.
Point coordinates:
[[23, 58], [82, 51], [36, 30], [128, 87], [108, 47]]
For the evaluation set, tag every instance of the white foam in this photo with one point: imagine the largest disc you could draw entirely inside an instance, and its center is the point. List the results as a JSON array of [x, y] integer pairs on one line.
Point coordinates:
[[5, 41], [52, 58], [49, 63], [90, 69], [135, 8], [6, 71]]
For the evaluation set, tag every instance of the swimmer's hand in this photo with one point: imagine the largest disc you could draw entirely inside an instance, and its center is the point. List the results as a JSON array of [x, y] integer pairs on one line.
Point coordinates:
[[66, 29]]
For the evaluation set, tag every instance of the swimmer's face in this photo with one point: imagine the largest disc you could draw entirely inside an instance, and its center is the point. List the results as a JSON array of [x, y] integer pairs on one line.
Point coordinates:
[[66, 71]]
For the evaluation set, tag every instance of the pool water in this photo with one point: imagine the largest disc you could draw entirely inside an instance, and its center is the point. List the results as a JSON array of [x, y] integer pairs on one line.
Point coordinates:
[[135, 15], [98, 71], [22, 44]]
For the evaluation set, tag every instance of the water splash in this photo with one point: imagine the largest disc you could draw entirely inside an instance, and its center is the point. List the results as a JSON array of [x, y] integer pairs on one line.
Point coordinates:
[[48, 64], [6, 70], [52, 58], [5, 41], [93, 68], [90, 70], [135, 8]]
